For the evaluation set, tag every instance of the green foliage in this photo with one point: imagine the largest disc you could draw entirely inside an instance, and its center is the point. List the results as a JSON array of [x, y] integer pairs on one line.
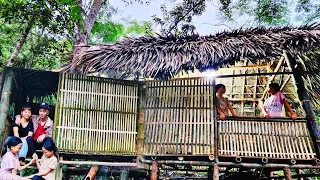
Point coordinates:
[[109, 32]]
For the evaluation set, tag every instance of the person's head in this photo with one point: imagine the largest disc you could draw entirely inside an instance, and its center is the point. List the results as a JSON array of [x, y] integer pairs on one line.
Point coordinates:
[[273, 88], [14, 144], [220, 89], [26, 111], [49, 148], [44, 110]]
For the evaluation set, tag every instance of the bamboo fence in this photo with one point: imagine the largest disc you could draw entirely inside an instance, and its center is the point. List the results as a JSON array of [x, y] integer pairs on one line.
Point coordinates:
[[251, 138], [179, 117], [96, 115]]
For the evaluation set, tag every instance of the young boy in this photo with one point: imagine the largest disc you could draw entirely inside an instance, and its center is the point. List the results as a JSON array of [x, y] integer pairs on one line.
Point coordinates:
[[272, 107], [223, 105]]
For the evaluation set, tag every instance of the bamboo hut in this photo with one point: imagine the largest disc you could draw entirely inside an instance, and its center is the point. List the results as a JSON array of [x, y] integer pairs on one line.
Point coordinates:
[[166, 118]]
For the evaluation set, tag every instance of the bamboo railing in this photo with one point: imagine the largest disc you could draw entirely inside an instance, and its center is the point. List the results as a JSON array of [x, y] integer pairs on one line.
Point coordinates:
[[96, 115], [280, 139], [179, 117]]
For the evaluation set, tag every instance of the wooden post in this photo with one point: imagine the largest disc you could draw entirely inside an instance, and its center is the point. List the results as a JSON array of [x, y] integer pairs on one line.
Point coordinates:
[[210, 172], [287, 173], [5, 102], [305, 100], [154, 171], [215, 172], [142, 100]]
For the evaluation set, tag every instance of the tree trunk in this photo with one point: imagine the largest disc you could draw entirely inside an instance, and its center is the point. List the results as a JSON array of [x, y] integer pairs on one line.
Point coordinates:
[[82, 36], [21, 41], [5, 102]]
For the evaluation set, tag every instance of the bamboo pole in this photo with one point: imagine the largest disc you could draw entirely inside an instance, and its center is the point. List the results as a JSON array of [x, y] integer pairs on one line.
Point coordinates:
[[305, 100], [154, 171], [276, 70], [5, 102], [215, 172], [92, 173], [287, 173], [142, 102]]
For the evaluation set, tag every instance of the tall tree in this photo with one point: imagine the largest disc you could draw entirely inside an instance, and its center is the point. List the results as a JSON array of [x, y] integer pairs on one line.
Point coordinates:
[[85, 14], [260, 12], [46, 15]]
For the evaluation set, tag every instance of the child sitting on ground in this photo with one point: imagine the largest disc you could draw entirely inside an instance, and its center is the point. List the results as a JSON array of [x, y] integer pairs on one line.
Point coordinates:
[[10, 161], [272, 107], [48, 162], [223, 105]]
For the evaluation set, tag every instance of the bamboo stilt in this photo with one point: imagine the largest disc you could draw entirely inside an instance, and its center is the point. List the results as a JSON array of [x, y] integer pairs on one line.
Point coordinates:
[[154, 171], [215, 172], [92, 173], [287, 173]]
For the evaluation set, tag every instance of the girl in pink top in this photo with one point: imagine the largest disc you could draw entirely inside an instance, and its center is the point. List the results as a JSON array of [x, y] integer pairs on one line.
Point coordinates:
[[272, 107], [10, 161]]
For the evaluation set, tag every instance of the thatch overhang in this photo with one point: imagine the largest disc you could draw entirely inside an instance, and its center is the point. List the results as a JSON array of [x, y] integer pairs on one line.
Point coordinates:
[[163, 57]]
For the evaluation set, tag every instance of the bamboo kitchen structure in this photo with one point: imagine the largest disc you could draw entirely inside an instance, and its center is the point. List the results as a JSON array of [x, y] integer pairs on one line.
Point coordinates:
[[164, 118]]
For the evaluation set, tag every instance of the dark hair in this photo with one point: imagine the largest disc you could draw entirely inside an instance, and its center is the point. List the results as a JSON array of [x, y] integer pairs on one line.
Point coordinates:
[[12, 141], [26, 106], [218, 86], [49, 145], [275, 86]]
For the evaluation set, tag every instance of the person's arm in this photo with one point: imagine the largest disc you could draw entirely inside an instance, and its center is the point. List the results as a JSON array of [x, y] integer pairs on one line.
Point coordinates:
[[264, 112], [13, 171], [20, 168], [288, 107], [16, 131], [222, 115], [37, 161], [18, 119], [49, 131], [231, 109]]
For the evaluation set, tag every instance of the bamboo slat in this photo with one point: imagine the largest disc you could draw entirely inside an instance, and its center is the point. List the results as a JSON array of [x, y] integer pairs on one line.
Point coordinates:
[[280, 140], [179, 117], [97, 115]]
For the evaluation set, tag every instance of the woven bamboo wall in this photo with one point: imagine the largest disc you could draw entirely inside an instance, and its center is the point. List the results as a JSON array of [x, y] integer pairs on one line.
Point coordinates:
[[179, 117], [96, 115], [283, 140]]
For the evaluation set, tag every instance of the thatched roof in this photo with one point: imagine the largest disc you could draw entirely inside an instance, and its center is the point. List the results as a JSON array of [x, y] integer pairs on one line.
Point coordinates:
[[163, 57]]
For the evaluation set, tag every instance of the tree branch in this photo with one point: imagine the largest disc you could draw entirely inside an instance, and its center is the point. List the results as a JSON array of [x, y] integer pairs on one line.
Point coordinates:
[[182, 17]]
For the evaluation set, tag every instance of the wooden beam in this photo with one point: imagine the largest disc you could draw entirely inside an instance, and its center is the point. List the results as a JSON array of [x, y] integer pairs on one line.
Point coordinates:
[[273, 76], [245, 67], [5, 102], [305, 100], [114, 164]]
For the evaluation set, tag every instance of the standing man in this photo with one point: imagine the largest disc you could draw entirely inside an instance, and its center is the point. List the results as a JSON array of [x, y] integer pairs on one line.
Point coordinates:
[[43, 129]]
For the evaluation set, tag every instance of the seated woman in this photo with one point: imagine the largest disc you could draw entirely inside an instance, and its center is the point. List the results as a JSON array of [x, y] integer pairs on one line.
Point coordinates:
[[24, 130], [223, 105], [272, 107]]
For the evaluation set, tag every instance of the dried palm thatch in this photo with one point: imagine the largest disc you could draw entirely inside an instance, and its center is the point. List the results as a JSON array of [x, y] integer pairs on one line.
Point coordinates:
[[163, 57]]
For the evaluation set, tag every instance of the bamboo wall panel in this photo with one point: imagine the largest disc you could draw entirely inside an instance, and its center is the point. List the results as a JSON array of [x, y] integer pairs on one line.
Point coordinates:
[[281, 140], [179, 117], [96, 115]]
